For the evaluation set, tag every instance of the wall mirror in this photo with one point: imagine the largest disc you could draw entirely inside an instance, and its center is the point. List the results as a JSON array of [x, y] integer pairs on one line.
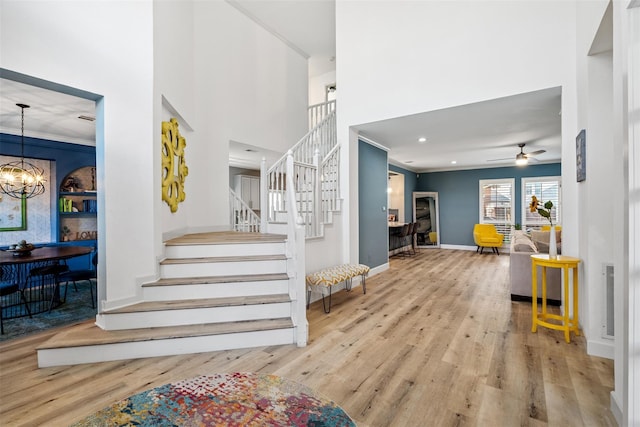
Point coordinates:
[[426, 215]]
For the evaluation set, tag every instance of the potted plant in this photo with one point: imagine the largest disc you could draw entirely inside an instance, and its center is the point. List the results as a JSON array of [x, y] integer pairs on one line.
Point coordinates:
[[66, 231]]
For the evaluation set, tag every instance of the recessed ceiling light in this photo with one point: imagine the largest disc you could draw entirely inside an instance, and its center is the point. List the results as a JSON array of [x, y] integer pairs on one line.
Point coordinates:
[[251, 150], [453, 162], [422, 140]]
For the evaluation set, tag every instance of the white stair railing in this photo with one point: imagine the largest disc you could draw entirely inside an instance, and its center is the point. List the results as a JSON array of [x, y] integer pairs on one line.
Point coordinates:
[[330, 183], [316, 163], [242, 217], [318, 112], [322, 138], [296, 256]]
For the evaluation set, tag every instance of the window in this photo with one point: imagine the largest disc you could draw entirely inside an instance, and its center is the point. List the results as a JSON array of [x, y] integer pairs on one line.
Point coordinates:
[[544, 188], [497, 204]]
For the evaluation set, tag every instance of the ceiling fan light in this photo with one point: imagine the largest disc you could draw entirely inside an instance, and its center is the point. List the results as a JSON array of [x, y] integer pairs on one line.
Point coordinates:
[[521, 160]]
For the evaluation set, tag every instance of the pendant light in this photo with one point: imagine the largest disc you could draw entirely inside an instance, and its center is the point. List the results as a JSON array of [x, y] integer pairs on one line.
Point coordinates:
[[20, 178]]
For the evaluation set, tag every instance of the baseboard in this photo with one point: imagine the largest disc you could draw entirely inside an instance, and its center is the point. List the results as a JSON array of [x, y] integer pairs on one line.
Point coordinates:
[[459, 247], [601, 349], [616, 408], [379, 269], [553, 302]]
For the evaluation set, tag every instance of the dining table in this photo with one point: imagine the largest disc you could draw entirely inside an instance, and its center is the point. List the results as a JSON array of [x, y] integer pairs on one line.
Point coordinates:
[[41, 291]]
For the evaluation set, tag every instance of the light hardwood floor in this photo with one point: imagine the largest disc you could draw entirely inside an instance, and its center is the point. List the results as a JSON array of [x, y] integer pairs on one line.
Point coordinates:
[[434, 342]]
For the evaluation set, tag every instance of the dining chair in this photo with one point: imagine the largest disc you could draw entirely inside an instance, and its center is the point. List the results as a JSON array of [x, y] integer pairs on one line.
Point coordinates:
[[404, 233], [414, 238], [48, 277], [7, 290], [89, 275]]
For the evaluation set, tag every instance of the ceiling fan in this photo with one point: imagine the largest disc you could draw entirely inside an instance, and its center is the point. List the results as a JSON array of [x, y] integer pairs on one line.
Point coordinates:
[[522, 158]]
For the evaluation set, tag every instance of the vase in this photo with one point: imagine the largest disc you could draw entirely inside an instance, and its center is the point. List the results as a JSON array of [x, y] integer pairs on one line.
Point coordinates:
[[553, 249]]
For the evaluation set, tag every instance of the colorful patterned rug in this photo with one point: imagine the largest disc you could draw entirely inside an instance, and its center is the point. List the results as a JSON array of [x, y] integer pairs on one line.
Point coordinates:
[[238, 399]]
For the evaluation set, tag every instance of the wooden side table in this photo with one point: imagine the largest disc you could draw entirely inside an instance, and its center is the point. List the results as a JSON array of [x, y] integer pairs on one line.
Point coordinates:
[[541, 318]]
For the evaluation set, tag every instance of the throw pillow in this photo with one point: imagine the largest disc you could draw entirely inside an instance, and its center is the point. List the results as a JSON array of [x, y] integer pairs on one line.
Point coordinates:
[[541, 240], [522, 243]]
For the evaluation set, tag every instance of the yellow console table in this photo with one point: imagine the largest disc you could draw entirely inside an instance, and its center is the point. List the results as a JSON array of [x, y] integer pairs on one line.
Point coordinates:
[[541, 318]]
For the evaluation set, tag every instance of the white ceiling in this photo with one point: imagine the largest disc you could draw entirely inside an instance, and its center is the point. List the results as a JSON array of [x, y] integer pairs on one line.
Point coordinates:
[[308, 26], [52, 115], [474, 135], [471, 135]]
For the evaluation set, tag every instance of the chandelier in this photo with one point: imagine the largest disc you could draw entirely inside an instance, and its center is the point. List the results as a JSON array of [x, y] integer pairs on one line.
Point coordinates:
[[20, 178]]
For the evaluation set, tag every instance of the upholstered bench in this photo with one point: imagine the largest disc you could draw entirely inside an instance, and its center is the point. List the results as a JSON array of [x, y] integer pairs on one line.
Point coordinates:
[[324, 280]]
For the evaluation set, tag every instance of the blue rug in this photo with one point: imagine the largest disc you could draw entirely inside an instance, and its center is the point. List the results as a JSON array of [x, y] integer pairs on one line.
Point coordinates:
[[76, 309]]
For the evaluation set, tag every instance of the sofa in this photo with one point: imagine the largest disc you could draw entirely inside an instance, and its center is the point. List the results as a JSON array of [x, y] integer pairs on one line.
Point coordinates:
[[521, 248]]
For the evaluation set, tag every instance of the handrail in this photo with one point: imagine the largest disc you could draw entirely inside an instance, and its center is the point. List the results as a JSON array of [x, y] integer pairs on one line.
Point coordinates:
[[315, 156], [318, 112], [296, 148], [242, 217], [296, 244]]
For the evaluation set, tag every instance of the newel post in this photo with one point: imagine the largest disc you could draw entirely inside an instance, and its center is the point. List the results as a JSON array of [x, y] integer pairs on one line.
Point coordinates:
[[317, 194], [264, 184]]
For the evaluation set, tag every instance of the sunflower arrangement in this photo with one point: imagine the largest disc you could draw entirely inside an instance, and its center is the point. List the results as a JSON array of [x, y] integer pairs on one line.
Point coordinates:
[[545, 211]]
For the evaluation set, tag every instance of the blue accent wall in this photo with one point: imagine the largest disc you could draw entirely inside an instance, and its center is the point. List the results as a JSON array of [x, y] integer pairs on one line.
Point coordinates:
[[372, 191], [458, 196], [67, 158], [410, 183]]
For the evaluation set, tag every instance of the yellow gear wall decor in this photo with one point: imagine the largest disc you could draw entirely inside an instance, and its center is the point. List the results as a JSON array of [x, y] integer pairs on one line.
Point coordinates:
[[174, 167]]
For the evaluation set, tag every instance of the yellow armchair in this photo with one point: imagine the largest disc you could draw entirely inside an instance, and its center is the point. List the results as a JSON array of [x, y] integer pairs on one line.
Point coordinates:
[[486, 236], [548, 228]]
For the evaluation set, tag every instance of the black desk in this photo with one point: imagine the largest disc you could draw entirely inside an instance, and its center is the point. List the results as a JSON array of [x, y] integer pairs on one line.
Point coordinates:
[[395, 242]]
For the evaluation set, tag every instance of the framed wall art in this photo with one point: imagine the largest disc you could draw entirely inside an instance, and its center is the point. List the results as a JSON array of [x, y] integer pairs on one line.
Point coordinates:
[[581, 161], [13, 213]]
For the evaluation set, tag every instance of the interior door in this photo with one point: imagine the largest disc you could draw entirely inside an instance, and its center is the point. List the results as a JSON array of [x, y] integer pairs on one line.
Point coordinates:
[[426, 215]]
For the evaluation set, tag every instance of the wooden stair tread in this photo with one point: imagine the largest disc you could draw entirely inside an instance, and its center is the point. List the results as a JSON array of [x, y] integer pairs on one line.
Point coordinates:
[[225, 237], [87, 333], [252, 258], [217, 279], [147, 306]]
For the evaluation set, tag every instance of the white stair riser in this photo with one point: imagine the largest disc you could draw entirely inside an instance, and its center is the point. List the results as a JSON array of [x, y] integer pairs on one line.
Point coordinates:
[[194, 316], [214, 290], [201, 251], [171, 271], [165, 347]]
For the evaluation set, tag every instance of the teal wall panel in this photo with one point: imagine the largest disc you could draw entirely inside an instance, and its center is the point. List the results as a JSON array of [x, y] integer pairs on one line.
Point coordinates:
[[372, 191], [459, 199]]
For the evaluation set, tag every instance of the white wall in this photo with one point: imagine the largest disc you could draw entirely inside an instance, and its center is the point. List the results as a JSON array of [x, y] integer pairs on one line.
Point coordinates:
[[399, 58], [174, 98], [317, 87], [251, 88], [105, 48], [595, 199]]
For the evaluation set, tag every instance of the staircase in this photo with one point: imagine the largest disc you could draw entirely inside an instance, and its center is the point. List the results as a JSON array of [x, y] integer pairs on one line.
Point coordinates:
[[312, 165], [226, 290], [216, 291]]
